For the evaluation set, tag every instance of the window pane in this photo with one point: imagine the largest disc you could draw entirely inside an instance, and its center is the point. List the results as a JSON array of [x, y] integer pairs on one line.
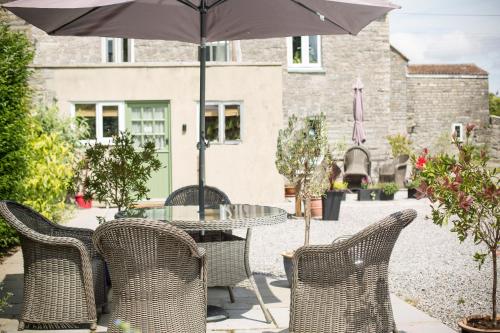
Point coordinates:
[[159, 113], [147, 127], [313, 49], [160, 142], [296, 50], [217, 51], [137, 141], [110, 50], [232, 122], [87, 112], [109, 120], [136, 113], [159, 127], [136, 127], [125, 50], [148, 113], [212, 123]]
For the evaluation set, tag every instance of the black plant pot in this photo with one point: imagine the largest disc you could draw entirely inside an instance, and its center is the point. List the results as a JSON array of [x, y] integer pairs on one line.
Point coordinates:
[[366, 194], [386, 197], [288, 263], [331, 205], [412, 193]]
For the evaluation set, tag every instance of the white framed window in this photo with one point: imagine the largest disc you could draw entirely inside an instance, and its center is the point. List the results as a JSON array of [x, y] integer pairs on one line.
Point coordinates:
[[217, 51], [223, 122], [104, 119], [117, 50], [458, 130], [304, 52]]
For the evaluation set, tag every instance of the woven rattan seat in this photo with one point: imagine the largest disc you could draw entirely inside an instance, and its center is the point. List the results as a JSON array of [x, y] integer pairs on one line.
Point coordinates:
[[158, 275], [343, 287], [63, 274]]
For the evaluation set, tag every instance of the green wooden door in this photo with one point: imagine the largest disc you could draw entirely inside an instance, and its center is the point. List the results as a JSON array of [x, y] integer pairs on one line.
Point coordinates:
[[151, 121]]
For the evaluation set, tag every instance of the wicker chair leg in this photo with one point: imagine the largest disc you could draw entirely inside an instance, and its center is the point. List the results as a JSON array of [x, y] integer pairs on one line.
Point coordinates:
[[20, 327], [231, 294], [105, 309], [93, 327]]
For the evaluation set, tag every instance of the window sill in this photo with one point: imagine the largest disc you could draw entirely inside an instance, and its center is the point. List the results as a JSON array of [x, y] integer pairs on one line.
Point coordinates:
[[226, 143], [306, 70]]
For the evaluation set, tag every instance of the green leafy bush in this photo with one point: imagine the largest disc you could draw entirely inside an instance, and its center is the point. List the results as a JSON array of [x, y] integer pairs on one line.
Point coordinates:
[[389, 188], [339, 186], [16, 54], [400, 145], [494, 104], [118, 173]]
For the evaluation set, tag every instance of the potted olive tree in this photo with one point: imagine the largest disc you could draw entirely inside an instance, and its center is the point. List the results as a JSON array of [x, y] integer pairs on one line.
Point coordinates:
[[302, 157], [118, 173], [463, 189]]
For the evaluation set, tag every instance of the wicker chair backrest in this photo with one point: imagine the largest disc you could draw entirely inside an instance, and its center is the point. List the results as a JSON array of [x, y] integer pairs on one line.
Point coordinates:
[[357, 156], [156, 274], [188, 195], [402, 159], [24, 219]]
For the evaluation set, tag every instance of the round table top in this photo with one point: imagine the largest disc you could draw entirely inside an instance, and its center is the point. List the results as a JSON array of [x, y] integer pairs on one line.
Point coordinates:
[[219, 217]]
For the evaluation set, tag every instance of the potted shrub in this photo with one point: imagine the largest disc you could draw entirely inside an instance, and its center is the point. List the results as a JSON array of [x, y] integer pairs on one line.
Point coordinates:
[[332, 200], [412, 185], [80, 174], [464, 190], [368, 191], [388, 191], [118, 173], [302, 157]]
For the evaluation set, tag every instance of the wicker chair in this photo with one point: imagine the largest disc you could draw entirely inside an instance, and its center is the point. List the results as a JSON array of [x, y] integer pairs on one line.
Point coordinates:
[[357, 165], [394, 171], [63, 274], [158, 276], [343, 287], [188, 195]]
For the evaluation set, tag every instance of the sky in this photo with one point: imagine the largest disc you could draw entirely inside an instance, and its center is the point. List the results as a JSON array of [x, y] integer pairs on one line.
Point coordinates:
[[449, 31]]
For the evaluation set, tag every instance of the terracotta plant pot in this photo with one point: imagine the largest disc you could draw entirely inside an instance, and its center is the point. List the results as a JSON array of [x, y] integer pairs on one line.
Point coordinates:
[[80, 201], [288, 264], [289, 191], [466, 328], [316, 208]]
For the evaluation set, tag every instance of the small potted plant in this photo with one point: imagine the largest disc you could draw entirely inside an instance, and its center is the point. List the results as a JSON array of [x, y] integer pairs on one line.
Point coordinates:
[[412, 185], [368, 191], [465, 191], [388, 191], [80, 173], [332, 200]]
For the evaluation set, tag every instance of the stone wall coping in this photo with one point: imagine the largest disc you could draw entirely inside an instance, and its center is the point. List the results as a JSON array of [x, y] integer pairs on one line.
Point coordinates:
[[447, 76], [156, 65]]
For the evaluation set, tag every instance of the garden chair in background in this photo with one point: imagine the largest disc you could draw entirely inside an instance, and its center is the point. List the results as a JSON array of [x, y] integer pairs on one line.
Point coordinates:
[[158, 275], [63, 274], [188, 195], [343, 287], [357, 165], [394, 171]]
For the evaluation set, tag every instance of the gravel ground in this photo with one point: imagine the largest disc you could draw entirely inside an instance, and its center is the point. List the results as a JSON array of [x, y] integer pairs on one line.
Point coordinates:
[[429, 267]]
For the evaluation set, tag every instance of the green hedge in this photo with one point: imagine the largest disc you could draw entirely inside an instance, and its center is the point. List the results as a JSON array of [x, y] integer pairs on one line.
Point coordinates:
[[16, 54]]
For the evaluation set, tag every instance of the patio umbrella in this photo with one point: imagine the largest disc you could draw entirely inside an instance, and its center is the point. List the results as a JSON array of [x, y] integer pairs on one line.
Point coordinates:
[[358, 133], [199, 21]]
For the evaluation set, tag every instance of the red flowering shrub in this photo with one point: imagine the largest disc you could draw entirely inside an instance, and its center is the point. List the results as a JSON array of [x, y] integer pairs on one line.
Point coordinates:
[[463, 189]]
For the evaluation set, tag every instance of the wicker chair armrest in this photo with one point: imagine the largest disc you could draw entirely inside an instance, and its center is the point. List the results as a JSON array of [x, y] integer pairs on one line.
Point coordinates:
[[201, 252], [341, 238], [401, 165], [83, 235]]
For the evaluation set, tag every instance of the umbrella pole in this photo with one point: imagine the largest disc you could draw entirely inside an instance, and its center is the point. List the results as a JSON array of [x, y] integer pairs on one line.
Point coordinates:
[[201, 143]]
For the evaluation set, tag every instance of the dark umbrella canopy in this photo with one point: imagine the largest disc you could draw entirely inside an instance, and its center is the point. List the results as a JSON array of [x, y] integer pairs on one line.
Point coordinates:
[[180, 19], [199, 21]]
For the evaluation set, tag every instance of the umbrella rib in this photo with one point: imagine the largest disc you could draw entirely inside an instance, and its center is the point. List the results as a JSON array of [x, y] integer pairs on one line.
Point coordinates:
[[72, 21], [189, 4], [322, 17], [215, 4]]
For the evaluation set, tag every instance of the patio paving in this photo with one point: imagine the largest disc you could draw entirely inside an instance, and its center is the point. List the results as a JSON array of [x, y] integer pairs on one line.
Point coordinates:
[[245, 314]]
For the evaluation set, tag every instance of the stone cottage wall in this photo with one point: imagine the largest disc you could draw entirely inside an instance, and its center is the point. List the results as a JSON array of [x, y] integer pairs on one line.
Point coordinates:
[[344, 58], [492, 140], [399, 101], [435, 102]]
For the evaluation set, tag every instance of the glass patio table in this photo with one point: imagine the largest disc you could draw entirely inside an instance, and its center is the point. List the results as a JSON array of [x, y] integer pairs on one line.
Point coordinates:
[[227, 254]]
